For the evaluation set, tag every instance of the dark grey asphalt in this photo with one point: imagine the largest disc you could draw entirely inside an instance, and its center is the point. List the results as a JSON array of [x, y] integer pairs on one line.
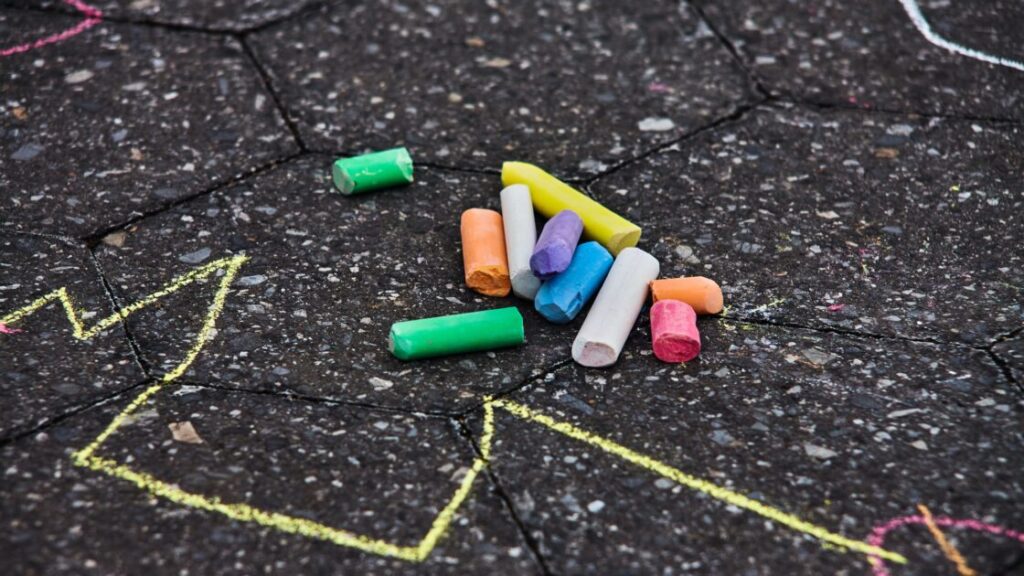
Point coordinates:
[[855, 189]]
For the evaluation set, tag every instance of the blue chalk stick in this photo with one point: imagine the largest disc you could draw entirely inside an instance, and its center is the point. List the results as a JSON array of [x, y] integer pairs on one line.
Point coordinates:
[[561, 298]]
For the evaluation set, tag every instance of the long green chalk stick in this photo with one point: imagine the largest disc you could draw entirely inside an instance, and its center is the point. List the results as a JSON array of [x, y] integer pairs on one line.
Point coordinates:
[[374, 171], [455, 334]]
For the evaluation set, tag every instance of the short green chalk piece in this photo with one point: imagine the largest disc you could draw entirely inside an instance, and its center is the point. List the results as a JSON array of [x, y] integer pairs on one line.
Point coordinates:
[[455, 334], [374, 171]]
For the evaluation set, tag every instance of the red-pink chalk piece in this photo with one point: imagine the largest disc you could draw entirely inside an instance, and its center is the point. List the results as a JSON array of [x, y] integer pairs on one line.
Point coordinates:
[[674, 332]]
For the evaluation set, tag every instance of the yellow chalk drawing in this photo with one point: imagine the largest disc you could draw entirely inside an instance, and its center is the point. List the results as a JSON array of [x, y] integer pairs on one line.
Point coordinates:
[[229, 268]]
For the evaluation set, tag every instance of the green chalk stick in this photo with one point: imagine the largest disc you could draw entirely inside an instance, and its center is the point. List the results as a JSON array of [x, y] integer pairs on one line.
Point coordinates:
[[455, 334], [372, 171]]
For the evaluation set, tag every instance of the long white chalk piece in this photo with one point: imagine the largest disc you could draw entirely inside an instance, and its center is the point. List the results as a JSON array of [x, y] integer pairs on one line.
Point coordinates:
[[520, 237], [616, 309]]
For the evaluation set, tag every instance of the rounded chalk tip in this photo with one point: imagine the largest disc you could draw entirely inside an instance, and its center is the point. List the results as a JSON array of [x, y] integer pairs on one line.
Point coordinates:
[[515, 190], [511, 171], [540, 265], [593, 354], [713, 301]]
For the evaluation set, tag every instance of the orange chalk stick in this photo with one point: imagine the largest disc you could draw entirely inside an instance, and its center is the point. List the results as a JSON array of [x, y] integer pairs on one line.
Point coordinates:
[[703, 294], [483, 252]]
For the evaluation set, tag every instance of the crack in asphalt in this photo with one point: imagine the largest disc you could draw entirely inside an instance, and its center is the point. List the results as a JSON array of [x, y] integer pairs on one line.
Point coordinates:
[[841, 331], [734, 116], [51, 421], [752, 76], [524, 384], [268, 85], [108, 289], [988, 349], [1004, 367], [499, 489], [325, 400], [93, 239], [783, 98]]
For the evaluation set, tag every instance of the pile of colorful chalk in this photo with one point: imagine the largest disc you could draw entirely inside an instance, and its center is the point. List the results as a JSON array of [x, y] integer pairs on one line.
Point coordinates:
[[502, 253]]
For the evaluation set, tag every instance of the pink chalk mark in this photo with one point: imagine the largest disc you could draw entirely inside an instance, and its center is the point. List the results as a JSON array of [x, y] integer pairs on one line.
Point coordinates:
[[92, 17], [5, 330], [877, 537], [836, 307], [659, 87]]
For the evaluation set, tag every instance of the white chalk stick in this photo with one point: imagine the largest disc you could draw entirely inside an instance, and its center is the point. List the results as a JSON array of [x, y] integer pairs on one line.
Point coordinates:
[[615, 309], [520, 237]]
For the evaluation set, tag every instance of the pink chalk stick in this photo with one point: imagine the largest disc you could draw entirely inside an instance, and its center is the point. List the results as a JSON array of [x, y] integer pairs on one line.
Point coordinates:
[[674, 332]]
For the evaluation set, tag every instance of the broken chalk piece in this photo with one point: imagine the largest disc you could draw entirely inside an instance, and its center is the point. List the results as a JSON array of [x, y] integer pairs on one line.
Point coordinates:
[[703, 294], [557, 242], [551, 196], [561, 298], [457, 333], [674, 334], [611, 318], [520, 238], [373, 171], [483, 252]]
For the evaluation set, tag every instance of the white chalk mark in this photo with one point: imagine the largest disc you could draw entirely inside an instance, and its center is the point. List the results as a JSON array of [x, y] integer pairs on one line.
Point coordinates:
[[914, 11]]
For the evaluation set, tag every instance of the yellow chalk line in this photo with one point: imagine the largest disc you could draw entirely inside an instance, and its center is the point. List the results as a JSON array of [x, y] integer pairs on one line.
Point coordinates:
[[230, 267], [713, 490], [244, 512], [238, 511], [442, 522], [947, 547], [447, 514]]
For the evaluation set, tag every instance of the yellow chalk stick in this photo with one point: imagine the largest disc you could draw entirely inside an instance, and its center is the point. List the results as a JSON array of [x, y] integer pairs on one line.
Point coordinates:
[[550, 196]]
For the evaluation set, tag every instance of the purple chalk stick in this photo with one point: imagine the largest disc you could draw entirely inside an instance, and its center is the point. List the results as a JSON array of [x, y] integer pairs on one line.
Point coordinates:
[[553, 251]]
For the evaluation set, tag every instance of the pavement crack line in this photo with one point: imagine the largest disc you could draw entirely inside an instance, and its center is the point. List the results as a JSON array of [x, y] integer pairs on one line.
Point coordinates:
[[736, 115], [841, 331], [1004, 367], [786, 98], [268, 85], [499, 490], [1008, 335], [450, 168], [302, 11], [988, 349], [93, 239], [324, 400], [759, 85], [522, 385], [108, 289], [71, 412], [11, 229]]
